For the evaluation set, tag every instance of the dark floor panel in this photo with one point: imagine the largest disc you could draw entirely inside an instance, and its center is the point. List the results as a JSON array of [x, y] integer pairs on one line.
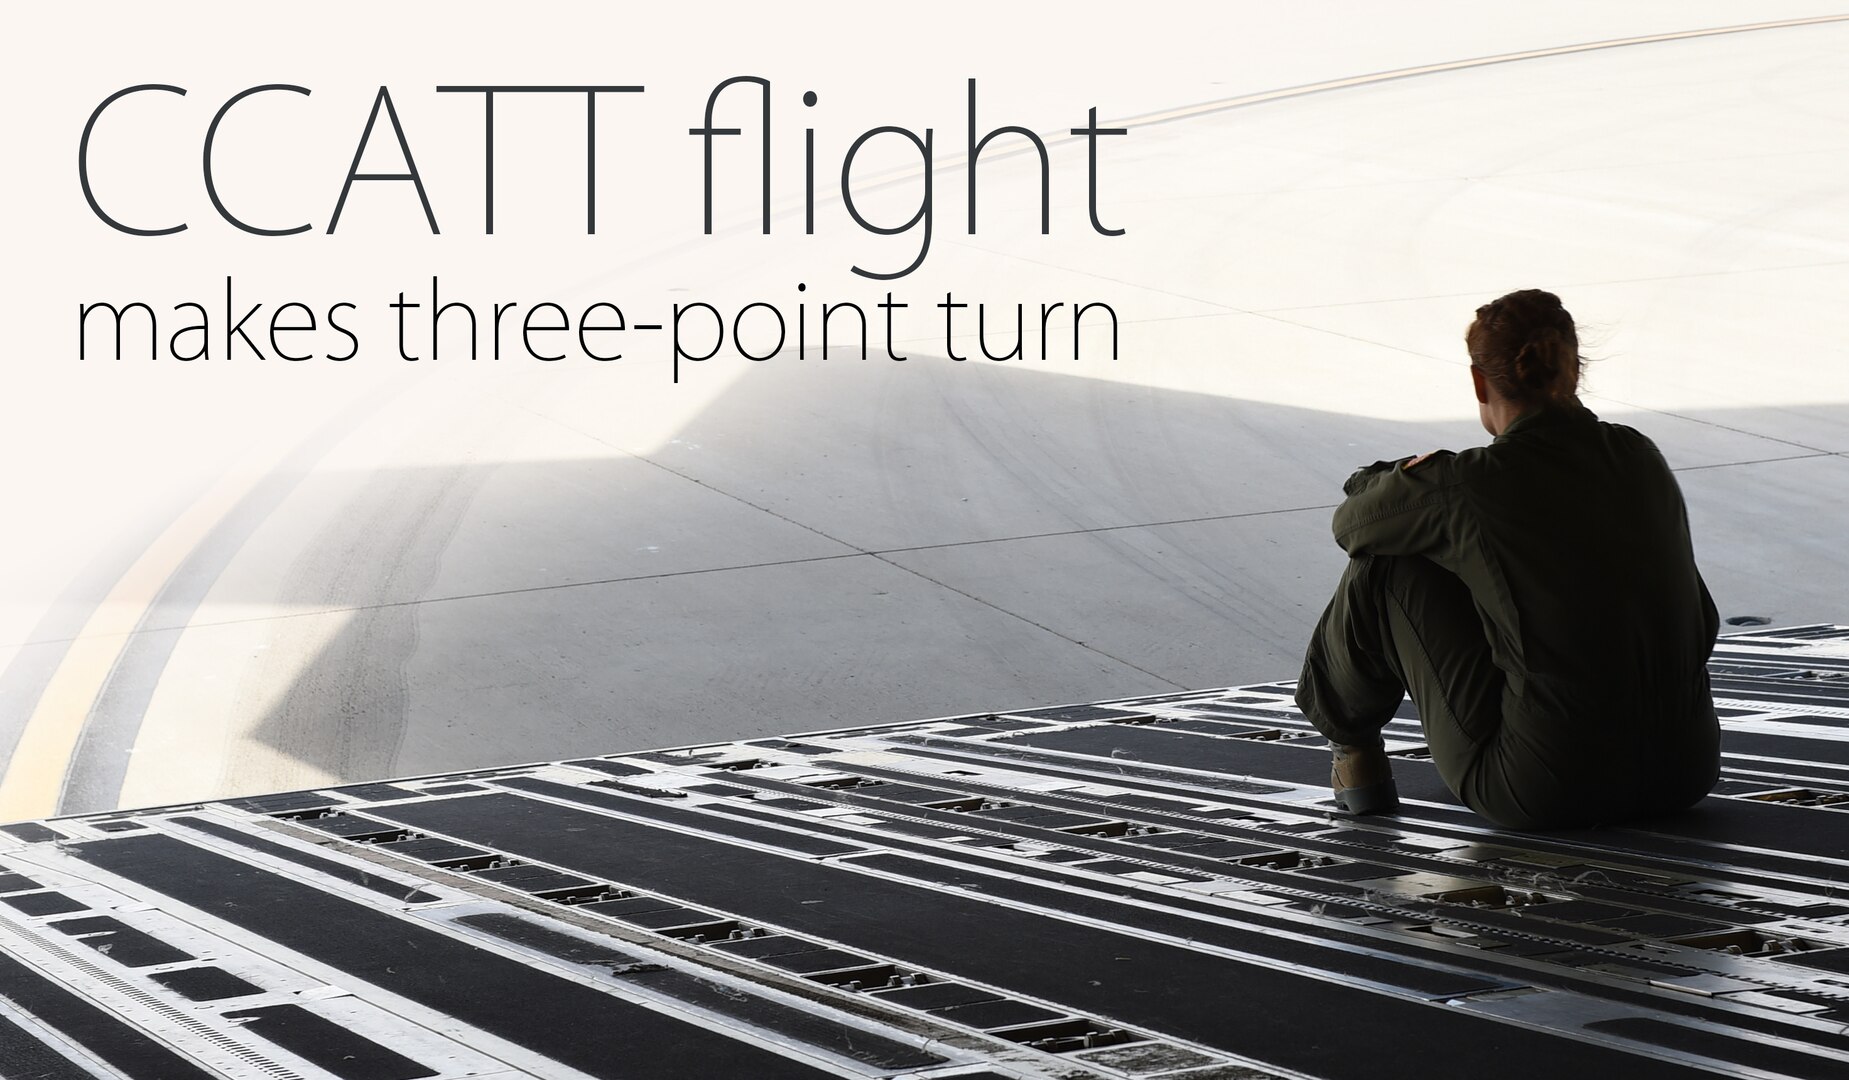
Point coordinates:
[[123, 944], [948, 749], [99, 1032], [571, 1023], [1714, 1044], [1836, 960], [11, 882], [805, 1027], [206, 983], [1141, 982], [774, 837], [763, 948], [612, 768], [668, 918], [531, 879], [344, 871], [374, 792], [427, 850], [988, 1015], [43, 903], [821, 960], [998, 723], [1789, 830], [1297, 764], [327, 1045], [1829, 751], [632, 905], [284, 802], [26, 1058], [1050, 893], [936, 995], [1076, 712]]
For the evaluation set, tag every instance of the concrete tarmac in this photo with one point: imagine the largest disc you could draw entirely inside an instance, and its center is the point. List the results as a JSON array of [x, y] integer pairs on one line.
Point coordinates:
[[421, 574]]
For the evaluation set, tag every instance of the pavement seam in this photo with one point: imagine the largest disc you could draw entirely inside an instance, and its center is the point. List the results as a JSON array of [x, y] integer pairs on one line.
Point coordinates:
[[488, 595], [1033, 623], [1757, 461], [1810, 451], [1105, 528], [874, 553], [856, 554], [856, 547]]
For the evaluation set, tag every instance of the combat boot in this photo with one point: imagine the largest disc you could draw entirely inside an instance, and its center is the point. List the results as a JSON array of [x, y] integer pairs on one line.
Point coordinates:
[[1362, 779]]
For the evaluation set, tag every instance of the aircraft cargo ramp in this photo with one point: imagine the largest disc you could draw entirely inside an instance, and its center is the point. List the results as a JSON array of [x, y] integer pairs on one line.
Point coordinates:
[[1150, 887]]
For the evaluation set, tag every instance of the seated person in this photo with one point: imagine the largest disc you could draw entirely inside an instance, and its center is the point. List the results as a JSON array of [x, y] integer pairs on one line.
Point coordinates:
[[1537, 597]]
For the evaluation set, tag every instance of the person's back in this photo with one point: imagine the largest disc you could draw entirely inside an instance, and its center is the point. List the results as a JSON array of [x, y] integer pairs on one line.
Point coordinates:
[[1571, 674], [1611, 619]]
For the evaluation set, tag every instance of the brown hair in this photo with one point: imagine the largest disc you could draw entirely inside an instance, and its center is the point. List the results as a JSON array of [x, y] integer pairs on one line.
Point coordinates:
[[1526, 345]]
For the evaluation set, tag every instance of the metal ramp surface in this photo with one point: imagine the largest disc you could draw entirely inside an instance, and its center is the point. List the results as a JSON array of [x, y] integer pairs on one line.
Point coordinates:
[[1153, 887]]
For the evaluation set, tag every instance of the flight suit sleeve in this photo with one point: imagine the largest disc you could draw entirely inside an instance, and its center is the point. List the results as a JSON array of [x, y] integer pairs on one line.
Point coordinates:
[[1710, 616], [1395, 510]]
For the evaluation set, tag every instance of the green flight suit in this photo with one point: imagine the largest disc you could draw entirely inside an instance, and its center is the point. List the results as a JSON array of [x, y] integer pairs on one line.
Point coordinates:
[[1538, 599]]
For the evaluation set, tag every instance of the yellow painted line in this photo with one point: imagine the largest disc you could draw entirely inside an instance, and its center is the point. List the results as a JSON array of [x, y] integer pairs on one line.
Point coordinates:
[[34, 778]]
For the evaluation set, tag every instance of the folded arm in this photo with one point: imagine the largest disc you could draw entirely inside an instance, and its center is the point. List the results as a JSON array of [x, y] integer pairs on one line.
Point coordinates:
[[1399, 507]]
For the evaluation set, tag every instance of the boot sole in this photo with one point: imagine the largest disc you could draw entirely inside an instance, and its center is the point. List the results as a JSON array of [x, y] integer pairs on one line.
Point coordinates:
[[1381, 798]]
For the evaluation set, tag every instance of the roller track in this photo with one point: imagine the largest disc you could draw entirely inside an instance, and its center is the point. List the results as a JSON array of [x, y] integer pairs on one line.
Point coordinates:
[[1152, 887]]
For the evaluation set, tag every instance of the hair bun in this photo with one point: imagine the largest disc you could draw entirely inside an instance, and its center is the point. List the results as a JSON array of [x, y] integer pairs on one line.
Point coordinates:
[[1526, 344], [1536, 364]]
